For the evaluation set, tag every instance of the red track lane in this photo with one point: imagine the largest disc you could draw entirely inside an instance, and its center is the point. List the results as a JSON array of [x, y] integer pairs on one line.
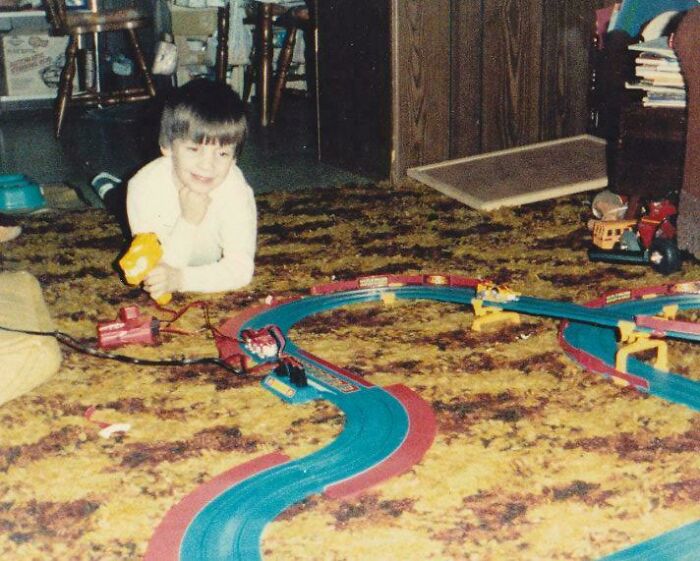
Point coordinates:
[[594, 364], [166, 540], [663, 326], [421, 433]]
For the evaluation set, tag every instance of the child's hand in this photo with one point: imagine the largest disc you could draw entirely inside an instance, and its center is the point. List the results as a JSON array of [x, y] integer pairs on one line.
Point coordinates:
[[163, 279], [193, 205]]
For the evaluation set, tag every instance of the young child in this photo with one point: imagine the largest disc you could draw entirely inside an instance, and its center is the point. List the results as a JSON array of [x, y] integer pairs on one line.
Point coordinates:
[[194, 197]]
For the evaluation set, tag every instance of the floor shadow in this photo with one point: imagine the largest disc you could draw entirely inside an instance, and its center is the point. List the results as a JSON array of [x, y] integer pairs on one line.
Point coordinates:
[[121, 139]]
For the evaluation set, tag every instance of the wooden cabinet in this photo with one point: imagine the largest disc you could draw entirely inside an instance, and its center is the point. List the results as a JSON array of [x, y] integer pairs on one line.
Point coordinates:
[[354, 85], [403, 83], [650, 151]]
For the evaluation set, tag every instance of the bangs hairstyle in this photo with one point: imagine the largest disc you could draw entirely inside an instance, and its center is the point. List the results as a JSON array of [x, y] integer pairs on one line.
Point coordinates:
[[204, 112]]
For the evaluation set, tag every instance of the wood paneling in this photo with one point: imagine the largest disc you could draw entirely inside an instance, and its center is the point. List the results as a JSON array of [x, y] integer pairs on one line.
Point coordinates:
[[459, 77], [466, 66], [511, 73], [422, 85], [566, 44]]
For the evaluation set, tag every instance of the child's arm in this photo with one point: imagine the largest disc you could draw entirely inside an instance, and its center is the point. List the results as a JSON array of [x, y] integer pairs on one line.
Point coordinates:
[[163, 280], [238, 231], [232, 271], [153, 205]]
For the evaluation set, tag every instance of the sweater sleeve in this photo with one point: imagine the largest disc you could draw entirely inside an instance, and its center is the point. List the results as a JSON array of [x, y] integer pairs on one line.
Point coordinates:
[[153, 206], [140, 219], [238, 232], [151, 200]]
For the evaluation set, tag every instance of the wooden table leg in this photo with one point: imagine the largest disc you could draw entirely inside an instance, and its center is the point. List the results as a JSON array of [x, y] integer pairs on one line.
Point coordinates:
[[222, 29], [65, 84], [264, 61]]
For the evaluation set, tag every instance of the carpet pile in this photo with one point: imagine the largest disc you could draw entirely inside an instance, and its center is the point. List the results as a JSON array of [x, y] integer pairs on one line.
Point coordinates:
[[534, 457]]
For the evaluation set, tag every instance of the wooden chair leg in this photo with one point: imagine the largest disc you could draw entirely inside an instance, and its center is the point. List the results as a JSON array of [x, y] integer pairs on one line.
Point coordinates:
[[285, 61], [65, 84], [222, 29], [264, 63], [249, 78], [141, 62], [250, 73]]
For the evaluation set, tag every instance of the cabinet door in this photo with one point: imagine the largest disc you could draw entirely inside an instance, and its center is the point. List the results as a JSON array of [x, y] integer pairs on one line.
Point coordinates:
[[650, 151], [354, 85]]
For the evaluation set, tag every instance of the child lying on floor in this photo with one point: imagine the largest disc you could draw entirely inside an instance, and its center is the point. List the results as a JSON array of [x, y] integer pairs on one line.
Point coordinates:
[[194, 197]]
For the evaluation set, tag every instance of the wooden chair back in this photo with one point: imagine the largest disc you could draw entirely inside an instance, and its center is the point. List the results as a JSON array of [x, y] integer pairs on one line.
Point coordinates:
[[90, 23], [56, 14]]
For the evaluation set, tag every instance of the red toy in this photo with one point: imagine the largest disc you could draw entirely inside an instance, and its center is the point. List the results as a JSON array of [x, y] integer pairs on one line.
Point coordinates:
[[131, 327], [650, 239], [266, 342]]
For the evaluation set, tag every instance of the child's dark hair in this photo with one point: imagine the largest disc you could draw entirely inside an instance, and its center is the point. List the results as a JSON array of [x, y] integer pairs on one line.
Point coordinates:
[[204, 112]]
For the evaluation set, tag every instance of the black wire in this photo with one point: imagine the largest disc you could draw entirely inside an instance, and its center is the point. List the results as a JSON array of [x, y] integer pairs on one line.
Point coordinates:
[[76, 345]]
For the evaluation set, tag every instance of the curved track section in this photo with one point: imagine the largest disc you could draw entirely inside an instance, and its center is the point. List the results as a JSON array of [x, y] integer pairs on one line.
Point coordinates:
[[230, 526], [388, 430]]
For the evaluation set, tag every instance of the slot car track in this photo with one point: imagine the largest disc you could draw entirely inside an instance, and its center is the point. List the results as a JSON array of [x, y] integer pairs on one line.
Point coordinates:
[[387, 430]]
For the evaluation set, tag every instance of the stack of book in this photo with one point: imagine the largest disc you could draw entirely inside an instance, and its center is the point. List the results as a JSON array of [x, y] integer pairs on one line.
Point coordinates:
[[658, 74]]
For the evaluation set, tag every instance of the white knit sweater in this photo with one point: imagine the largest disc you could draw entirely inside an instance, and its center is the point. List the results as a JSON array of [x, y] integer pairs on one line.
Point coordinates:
[[214, 256]]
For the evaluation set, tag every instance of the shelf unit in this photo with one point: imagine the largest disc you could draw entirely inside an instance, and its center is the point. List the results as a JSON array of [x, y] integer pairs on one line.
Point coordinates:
[[7, 18]]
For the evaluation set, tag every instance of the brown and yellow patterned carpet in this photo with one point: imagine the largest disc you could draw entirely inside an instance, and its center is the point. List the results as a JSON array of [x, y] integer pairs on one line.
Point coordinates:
[[534, 458]]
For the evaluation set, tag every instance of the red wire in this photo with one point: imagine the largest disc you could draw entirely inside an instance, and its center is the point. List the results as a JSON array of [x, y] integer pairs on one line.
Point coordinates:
[[204, 306], [177, 314]]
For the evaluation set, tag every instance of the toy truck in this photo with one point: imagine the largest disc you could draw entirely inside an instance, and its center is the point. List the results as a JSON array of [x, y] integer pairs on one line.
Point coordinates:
[[651, 239]]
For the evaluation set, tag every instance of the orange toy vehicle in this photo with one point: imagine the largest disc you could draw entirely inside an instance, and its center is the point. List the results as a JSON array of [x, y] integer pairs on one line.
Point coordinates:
[[649, 240], [607, 233]]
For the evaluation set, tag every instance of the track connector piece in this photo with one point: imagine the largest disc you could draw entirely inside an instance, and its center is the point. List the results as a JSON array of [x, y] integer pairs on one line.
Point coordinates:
[[633, 341], [491, 314]]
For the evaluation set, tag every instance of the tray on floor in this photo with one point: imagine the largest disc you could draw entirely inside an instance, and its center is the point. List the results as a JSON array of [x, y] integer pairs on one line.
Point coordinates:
[[520, 175]]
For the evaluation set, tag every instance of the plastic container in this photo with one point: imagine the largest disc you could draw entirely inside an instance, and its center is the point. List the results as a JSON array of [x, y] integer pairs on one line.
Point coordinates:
[[19, 193]]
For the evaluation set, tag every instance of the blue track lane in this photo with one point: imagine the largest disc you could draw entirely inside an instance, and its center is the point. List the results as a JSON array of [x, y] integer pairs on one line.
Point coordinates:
[[230, 527], [681, 544], [602, 343]]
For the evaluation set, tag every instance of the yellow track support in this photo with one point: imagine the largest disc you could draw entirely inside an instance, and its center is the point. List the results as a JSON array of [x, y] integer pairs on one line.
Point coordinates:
[[635, 342], [491, 314], [669, 312], [388, 298]]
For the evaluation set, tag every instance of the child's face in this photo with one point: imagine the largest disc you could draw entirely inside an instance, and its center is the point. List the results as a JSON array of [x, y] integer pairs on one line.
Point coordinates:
[[200, 167]]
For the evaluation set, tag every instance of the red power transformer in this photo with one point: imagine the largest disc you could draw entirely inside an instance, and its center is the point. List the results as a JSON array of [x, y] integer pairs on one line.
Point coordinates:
[[131, 328]]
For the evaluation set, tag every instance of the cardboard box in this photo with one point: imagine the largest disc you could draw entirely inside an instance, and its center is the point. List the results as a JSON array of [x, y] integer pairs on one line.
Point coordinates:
[[191, 50], [193, 22], [31, 63], [187, 73]]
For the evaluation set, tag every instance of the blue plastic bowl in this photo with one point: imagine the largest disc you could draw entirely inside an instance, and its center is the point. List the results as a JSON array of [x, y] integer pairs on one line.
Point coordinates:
[[19, 193]]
